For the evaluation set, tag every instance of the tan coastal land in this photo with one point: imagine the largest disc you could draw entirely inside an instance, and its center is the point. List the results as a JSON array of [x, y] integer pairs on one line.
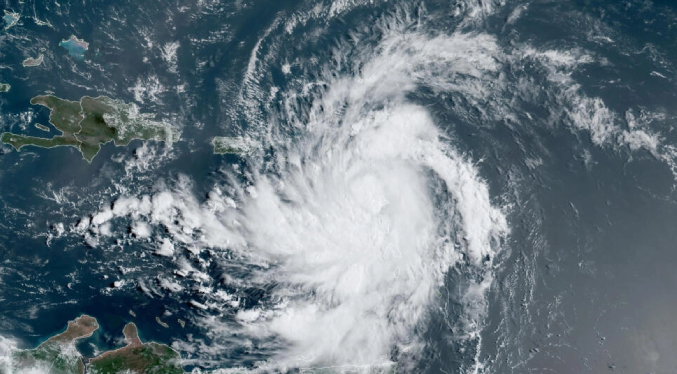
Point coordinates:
[[137, 357], [59, 354], [32, 62]]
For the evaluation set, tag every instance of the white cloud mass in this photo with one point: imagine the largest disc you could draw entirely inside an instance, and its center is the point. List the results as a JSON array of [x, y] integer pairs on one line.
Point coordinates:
[[366, 212]]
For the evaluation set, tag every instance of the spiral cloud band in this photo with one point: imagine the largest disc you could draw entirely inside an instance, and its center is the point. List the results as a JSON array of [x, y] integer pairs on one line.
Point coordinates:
[[359, 218]]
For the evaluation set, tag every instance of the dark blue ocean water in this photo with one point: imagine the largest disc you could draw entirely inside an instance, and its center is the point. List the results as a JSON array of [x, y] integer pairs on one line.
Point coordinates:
[[586, 280]]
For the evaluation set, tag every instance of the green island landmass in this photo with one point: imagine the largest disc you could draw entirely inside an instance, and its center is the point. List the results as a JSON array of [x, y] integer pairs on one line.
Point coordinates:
[[232, 145], [4, 87], [41, 127], [91, 122], [59, 355]]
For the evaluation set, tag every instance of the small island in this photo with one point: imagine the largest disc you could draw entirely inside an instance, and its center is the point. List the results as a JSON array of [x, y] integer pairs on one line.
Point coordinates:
[[4, 87], [32, 62], [10, 19], [75, 47], [91, 122], [232, 145], [59, 355]]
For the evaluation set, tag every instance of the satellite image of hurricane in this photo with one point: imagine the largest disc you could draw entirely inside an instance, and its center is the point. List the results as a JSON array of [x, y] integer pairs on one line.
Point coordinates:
[[338, 186]]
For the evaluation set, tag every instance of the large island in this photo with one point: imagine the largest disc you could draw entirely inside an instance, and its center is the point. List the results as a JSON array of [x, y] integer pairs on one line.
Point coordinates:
[[90, 122]]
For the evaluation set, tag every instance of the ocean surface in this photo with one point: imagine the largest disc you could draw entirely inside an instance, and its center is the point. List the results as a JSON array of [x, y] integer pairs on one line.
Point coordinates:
[[465, 186]]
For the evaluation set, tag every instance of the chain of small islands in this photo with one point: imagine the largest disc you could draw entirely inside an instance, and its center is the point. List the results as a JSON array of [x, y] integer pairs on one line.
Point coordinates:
[[91, 122], [86, 125]]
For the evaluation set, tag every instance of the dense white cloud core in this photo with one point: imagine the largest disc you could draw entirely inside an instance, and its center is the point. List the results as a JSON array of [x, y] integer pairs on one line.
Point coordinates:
[[368, 209]]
